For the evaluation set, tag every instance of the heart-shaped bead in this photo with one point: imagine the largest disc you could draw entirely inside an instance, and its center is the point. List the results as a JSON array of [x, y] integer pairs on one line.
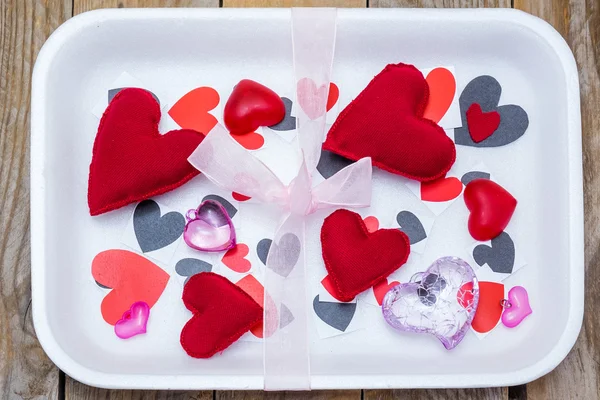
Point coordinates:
[[491, 208], [433, 302], [516, 308], [134, 320], [209, 228]]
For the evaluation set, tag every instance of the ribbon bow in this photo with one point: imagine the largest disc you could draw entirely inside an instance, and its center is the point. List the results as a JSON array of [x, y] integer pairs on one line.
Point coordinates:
[[222, 160]]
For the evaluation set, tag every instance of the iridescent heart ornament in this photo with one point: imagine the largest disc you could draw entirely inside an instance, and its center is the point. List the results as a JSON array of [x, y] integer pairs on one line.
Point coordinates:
[[134, 320], [209, 228], [433, 301], [516, 307]]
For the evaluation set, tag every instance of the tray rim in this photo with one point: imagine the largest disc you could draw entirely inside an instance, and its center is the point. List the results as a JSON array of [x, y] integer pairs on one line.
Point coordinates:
[[70, 29]]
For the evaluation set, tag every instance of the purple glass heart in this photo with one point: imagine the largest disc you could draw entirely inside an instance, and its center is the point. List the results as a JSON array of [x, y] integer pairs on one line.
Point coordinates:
[[433, 302], [209, 228]]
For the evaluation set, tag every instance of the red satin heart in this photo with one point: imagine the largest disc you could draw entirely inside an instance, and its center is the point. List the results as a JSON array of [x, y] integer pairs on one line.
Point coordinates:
[[355, 258], [385, 122], [441, 190], [481, 125], [251, 105], [489, 308], [131, 160], [222, 313], [491, 208]]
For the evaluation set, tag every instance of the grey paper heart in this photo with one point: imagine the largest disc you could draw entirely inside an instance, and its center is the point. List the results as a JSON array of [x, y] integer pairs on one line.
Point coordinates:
[[230, 208], [485, 90], [336, 315], [286, 254], [152, 231], [469, 176], [189, 267], [101, 285], [330, 163], [262, 249], [113, 92], [500, 256], [288, 123], [285, 316], [412, 226]]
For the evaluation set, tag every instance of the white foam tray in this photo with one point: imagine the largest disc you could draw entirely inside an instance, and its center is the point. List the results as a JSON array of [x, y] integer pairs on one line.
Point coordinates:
[[178, 48]]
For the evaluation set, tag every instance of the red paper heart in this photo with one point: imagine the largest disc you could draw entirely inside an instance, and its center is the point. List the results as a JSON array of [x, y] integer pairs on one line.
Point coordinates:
[[357, 259], [385, 122], [250, 285], [222, 313], [251, 105], [372, 223], [481, 125], [131, 277], [332, 97], [250, 141], [234, 258], [381, 288], [442, 87], [491, 208], [131, 160], [191, 111], [489, 308], [441, 190], [328, 285], [240, 197]]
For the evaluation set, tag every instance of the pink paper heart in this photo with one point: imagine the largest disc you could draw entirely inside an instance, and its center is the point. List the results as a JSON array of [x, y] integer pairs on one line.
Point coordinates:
[[518, 309], [134, 321], [311, 98]]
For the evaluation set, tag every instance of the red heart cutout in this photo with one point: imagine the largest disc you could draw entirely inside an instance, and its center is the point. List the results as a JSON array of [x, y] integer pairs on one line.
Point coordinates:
[[381, 288], [250, 141], [372, 223], [251, 105], [131, 277], [489, 308], [481, 125], [355, 258], [442, 87], [250, 285], [328, 285], [240, 197], [333, 96], [440, 190], [491, 208], [191, 111], [222, 313], [385, 122], [234, 258], [131, 160]]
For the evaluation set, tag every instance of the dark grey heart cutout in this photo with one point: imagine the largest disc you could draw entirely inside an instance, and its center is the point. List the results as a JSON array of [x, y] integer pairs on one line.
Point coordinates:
[[262, 249], [336, 315], [485, 90], [230, 208], [288, 123], [500, 256], [288, 252], [152, 231], [330, 163], [469, 176], [412, 226], [113, 92], [285, 316], [189, 267]]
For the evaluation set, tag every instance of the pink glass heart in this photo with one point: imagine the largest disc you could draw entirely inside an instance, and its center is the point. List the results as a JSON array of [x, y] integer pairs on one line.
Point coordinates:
[[516, 308], [209, 228], [432, 302], [134, 321]]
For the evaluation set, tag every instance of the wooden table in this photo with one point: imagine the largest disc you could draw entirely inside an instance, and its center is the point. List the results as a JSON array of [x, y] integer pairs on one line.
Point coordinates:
[[25, 370]]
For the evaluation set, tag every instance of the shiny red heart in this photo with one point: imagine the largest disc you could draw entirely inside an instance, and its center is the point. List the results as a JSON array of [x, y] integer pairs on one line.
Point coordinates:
[[381, 288], [222, 312], [355, 258], [385, 122], [131, 277], [491, 208], [251, 105], [192, 110], [481, 125], [444, 189], [234, 258], [131, 160], [489, 308]]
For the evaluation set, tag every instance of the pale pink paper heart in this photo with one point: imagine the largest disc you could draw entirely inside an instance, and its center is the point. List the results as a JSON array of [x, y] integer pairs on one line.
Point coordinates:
[[134, 321], [311, 98]]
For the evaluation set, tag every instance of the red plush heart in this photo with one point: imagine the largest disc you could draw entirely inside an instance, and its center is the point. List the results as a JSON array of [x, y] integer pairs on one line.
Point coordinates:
[[489, 308], [355, 258], [131, 160], [251, 105], [385, 122], [481, 125], [439, 190], [222, 313], [491, 208]]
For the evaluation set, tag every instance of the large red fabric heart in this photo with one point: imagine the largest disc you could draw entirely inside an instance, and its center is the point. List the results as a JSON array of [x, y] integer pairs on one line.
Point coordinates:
[[251, 105], [481, 125], [222, 313], [357, 259], [491, 208], [385, 122], [131, 160]]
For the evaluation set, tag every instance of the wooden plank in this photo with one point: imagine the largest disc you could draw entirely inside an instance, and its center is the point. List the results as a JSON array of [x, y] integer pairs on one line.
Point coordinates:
[[440, 3], [450, 394], [579, 23], [80, 6], [294, 3], [25, 370], [314, 395]]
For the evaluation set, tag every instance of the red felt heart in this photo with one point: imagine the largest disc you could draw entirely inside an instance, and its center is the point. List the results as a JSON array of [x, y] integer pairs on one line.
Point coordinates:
[[192, 110], [234, 258], [131, 160], [355, 258], [131, 277], [222, 313], [489, 308], [481, 125], [491, 208], [385, 122], [442, 87], [441, 189], [381, 288], [251, 105]]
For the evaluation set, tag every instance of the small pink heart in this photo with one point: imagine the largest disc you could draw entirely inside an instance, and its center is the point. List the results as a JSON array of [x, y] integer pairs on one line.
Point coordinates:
[[134, 320], [518, 309], [311, 98]]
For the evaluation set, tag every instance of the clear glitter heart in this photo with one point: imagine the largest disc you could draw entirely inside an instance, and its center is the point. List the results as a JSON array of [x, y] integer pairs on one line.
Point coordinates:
[[209, 228], [433, 302]]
